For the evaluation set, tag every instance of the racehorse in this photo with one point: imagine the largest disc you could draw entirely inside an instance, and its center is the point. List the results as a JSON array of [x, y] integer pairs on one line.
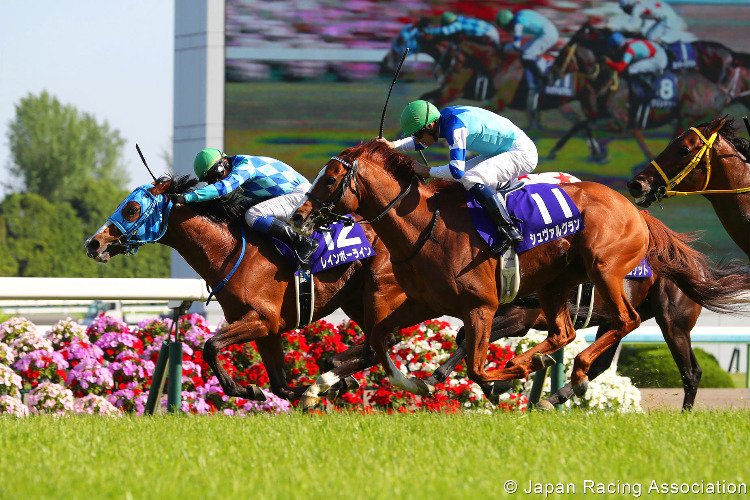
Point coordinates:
[[709, 160], [445, 268], [259, 300], [608, 102]]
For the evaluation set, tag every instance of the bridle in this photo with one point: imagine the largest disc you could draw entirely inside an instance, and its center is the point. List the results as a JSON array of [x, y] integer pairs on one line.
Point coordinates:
[[667, 190], [326, 215]]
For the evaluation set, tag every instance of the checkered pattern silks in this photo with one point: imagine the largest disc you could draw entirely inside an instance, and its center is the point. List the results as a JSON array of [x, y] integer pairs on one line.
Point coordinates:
[[260, 178], [467, 26]]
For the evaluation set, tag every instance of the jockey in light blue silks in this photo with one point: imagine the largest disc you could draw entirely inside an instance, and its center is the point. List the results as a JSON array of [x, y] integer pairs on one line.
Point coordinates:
[[505, 152], [543, 34], [276, 186]]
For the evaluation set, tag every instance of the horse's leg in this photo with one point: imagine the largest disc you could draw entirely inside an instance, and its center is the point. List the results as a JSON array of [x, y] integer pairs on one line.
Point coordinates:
[[676, 315], [625, 319], [241, 331], [560, 332], [508, 322], [409, 313], [599, 365], [272, 352]]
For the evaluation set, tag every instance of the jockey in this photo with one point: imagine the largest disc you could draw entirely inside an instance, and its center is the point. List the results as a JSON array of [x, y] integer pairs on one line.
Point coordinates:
[[505, 153], [276, 185], [544, 35], [642, 58], [451, 24], [642, 10]]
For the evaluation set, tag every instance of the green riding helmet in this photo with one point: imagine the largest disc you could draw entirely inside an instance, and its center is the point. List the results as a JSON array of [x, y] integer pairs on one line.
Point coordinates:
[[205, 160], [416, 115], [447, 18], [504, 17]]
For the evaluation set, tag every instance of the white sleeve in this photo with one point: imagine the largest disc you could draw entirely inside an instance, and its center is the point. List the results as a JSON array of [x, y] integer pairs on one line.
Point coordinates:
[[405, 144], [442, 172]]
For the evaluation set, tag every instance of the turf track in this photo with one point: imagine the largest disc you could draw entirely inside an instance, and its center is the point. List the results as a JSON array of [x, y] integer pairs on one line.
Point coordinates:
[[366, 456]]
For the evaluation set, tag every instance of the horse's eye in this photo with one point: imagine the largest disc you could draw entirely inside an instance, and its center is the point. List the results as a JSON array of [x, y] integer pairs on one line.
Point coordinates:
[[331, 181], [130, 212], [684, 151]]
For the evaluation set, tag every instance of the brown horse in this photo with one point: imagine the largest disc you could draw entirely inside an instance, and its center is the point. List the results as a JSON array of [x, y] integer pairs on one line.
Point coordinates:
[[709, 160], [445, 268], [259, 299]]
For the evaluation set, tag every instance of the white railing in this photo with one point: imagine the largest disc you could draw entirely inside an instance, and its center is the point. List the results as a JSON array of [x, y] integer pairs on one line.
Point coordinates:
[[169, 289]]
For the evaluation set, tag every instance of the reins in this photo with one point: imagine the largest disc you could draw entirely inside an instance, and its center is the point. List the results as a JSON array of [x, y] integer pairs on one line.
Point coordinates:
[[236, 265], [667, 191]]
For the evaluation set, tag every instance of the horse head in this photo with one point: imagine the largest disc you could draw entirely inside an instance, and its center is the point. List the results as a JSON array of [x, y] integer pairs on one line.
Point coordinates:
[[339, 188], [684, 163], [139, 219]]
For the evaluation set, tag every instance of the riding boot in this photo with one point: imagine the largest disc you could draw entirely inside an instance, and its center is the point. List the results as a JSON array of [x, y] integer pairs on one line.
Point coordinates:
[[499, 215], [540, 78], [303, 247]]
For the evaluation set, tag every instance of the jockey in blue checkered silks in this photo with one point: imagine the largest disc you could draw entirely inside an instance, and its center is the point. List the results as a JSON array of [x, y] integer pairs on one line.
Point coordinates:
[[275, 186]]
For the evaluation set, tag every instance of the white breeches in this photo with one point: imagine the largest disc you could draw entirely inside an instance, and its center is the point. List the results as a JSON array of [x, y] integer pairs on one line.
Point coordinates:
[[539, 46], [282, 207], [655, 64], [520, 159]]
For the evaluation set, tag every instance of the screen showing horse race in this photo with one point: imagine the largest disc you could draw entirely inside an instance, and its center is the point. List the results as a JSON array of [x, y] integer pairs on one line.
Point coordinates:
[[600, 87]]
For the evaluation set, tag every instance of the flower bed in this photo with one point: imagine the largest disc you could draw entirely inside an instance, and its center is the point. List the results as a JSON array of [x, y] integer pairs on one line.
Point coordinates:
[[106, 369]]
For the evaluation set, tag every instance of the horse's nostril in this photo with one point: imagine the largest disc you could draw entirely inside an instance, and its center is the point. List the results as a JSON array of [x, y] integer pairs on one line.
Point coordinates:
[[92, 244]]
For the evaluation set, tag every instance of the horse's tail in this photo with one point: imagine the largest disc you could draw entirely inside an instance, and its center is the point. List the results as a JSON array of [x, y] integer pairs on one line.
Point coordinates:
[[718, 287]]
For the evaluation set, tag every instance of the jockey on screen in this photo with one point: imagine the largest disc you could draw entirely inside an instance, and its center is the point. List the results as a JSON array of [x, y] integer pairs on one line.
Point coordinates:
[[641, 59], [543, 35], [643, 10], [277, 186], [505, 153]]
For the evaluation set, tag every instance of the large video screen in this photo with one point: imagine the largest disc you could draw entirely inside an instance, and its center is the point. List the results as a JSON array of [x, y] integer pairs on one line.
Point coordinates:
[[308, 79]]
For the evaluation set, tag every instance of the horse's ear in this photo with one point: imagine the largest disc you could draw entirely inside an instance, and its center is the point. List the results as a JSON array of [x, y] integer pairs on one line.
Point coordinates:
[[161, 188], [721, 123]]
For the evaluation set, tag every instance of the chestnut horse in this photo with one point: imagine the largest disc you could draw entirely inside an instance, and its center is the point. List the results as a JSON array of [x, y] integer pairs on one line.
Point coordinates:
[[444, 267], [259, 299], [709, 160]]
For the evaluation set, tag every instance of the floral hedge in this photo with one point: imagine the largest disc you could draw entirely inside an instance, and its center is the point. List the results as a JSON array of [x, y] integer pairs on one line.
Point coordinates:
[[106, 369]]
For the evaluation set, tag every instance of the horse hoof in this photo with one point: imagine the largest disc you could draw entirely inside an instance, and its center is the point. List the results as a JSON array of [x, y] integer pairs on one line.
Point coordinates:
[[545, 359], [580, 389], [307, 402], [422, 389], [501, 387], [256, 393], [352, 384], [544, 405]]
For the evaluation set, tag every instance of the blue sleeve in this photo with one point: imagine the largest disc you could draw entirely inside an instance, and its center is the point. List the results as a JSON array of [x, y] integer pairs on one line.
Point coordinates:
[[517, 35], [242, 172], [456, 134]]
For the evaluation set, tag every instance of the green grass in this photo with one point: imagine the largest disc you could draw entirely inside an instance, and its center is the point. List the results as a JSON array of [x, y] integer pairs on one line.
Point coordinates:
[[364, 456], [738, 379]]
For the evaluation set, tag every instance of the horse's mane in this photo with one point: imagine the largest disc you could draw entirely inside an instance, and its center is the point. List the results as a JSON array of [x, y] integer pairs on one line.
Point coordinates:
[[729, 132], [398, 165], [227, 208]]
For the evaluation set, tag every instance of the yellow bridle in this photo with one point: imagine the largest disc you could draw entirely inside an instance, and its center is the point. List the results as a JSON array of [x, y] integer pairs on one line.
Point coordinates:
[[667, 191]]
